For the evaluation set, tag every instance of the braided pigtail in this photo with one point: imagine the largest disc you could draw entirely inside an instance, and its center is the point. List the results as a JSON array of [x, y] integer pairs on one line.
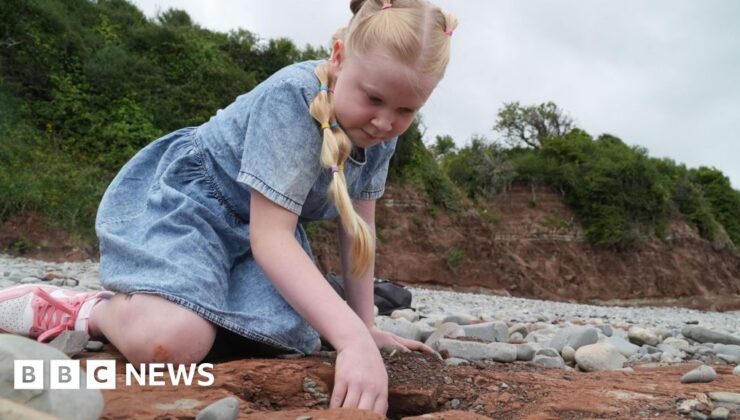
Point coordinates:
[[335, 149]]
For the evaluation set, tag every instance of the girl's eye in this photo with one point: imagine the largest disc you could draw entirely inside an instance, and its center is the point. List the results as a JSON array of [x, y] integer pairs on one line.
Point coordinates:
[[374, 100]]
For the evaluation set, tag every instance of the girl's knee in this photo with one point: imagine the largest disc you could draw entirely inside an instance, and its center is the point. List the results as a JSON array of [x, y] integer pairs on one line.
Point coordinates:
[[165, 332]]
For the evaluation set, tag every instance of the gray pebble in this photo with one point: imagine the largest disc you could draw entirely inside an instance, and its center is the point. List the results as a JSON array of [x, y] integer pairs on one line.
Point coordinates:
[[720, 413], [524, 352], [454, 404], [224, 409], [599, 357], [704, 335], [701, 374], [95, 346], [606, 329], [70, 343], [548, 361], [725, 397]]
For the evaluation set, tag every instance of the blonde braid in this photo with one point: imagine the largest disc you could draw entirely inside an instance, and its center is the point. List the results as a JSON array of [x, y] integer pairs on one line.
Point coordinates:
[[335, 149]]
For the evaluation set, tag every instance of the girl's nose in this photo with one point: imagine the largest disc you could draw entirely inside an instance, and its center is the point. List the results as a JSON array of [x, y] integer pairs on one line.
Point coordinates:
[[383, 122]]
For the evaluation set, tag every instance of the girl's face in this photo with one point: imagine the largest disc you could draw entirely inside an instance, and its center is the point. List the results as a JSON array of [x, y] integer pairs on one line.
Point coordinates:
[[376, 97]]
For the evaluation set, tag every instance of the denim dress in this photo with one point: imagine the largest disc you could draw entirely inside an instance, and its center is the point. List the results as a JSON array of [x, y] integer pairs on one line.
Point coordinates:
[[175, 220]]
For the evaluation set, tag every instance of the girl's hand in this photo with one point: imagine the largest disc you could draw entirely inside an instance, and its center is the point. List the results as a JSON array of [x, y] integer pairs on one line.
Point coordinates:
[[360, 379], [386, 339]]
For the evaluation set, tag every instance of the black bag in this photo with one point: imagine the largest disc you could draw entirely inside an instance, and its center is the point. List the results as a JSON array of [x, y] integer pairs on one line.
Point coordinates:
[[388, 296]]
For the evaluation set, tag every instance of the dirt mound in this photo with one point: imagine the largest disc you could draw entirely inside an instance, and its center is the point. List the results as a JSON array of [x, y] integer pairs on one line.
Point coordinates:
[[420, 384]]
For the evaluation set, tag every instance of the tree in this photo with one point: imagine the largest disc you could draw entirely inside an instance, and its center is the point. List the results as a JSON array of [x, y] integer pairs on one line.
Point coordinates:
[[443, 145], [532, 125]]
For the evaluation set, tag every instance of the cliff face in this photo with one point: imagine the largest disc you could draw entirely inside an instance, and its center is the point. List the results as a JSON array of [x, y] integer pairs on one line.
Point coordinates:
[[530, 245]]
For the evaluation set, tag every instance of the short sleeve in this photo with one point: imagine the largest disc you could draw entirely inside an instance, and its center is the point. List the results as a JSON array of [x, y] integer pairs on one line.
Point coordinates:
[[378, 160], [282, 146]]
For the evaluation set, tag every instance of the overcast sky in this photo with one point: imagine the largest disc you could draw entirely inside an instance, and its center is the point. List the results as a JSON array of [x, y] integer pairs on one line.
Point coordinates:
[[662, 74]]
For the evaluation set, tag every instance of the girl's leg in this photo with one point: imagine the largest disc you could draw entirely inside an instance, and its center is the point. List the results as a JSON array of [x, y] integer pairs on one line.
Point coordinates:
[[145, 328], [148, 328]]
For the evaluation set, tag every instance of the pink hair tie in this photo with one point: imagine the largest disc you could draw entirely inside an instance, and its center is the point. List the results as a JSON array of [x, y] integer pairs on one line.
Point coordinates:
[[448, 32], [334, 169], [387, 5]]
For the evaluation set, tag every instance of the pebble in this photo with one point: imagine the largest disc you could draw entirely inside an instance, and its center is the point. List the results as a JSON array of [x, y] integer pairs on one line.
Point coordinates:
[[598, 357], [639, 336], [401, 327], [448, 329], [568, 353], [408, 314], [64, 403], [705, 335], [736, 371], [549, 362], [70, 343], [223, 409], [489, 331], [701, 374], [524, 352], [720, 413], [575, 337], [95, 346], [725, 397]]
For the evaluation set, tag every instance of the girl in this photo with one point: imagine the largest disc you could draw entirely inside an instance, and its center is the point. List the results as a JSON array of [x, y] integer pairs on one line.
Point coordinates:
[[203, 228]]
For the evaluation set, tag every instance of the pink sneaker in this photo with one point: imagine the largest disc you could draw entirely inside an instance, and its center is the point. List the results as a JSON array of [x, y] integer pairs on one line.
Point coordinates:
[[43, 312]]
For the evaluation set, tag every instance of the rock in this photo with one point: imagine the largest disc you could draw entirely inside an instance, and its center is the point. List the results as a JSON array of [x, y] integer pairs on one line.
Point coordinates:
[[725, 397], [456, 361], [519, 328], [470, 350], [95, 346], [624, 347], [574, 337], [459, 318], [606, 329], [736, 371], [70, 343], [687, 406], [728, 349], [407, 314], [677, 343], [224, 409], [400, 327], [489, 331], [547, 351], [704, 335], [65, 403], [639, 336], [448, 329], [729, 359], [550, 362], [598, 357], [539, 336], [524, 352], [568, 353], [720, 413], [516, 337], [701, 374], [12, 410]]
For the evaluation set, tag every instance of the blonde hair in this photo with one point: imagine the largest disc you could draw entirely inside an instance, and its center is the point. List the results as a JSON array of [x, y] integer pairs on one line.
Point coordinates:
[[416, 33]]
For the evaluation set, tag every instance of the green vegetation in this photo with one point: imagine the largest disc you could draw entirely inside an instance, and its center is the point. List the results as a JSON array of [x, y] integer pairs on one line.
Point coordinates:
[[84, 85]]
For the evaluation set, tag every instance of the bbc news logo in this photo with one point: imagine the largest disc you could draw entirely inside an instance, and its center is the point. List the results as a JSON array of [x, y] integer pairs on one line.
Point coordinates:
[[101, 374]]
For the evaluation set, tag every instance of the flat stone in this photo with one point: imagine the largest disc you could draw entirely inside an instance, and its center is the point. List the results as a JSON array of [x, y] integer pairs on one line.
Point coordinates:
[[70, 343], [548, 361], [456, 361], [599, 357], [624, 347], [574, 337], [470, 350], [701, 374], [677, 343], [639, 336], [547, 351], [80, 403], [223, 409], [448, 329], [519, 328], [704, 335], [725, 397], [489, 331], [400, 327], [524, 352], [720, 413], [729, 349]]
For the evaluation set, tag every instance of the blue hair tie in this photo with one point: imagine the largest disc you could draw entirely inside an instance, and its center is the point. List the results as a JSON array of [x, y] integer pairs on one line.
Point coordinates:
[[324, 88], [334, 126]]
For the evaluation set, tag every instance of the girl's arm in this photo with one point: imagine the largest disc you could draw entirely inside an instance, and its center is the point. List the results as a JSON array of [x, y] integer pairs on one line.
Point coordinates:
[[360, 379], [359, 290], [294, 275]]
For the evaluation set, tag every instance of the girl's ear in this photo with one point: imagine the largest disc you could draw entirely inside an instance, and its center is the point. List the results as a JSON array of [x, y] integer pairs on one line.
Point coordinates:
[[337, 52]]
